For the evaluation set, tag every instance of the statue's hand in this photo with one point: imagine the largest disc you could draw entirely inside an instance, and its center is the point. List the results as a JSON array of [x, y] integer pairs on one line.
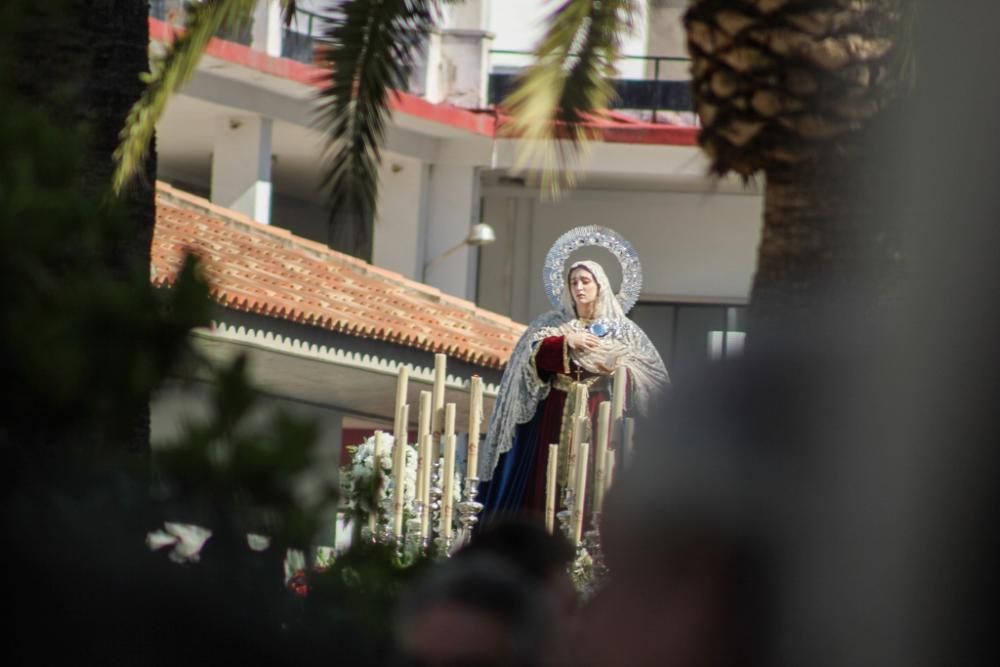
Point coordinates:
[[581, 340]]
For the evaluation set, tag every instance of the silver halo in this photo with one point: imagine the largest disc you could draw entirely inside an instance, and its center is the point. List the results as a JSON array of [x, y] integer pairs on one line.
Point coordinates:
[[593, 235]]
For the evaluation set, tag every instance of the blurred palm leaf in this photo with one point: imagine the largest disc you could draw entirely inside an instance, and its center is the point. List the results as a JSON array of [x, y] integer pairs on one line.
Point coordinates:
[[288, 9], [568, 84], [171, 70], [369, 48]]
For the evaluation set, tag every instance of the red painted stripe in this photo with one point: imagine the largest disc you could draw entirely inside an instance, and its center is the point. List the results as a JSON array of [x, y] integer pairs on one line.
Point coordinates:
[[651, 135], [478, 123], [616, 129], [238, 54]]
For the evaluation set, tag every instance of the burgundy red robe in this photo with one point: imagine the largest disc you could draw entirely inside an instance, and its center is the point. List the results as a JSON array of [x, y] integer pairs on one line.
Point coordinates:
[[518, 484]]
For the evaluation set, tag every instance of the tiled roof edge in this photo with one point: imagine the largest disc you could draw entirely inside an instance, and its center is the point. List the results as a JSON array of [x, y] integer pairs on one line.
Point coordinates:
[[187, 199]]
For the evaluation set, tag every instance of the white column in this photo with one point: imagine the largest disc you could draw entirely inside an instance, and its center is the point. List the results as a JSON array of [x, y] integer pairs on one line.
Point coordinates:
[[267, 27], [401, 216], [241, 166], [465, 53], [665, 36], [469, 15], [452, 209]]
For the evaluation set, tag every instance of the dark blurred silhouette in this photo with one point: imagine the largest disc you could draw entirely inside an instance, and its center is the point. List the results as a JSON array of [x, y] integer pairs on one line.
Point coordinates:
[[541, 557], [475, 611], [832, 498], [683, 536]]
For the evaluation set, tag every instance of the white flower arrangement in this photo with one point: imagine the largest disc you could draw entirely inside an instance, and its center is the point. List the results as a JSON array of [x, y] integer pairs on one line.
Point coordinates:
[[359, 476]]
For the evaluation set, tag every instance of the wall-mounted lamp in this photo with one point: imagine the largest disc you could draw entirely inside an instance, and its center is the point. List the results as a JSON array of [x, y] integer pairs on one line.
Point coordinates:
[[479, 235]]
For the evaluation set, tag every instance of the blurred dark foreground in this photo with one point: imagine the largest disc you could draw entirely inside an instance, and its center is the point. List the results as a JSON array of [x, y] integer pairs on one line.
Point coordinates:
[[828, 500]]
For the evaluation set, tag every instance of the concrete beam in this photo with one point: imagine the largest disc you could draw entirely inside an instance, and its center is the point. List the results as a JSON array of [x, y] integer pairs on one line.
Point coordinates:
[[241, 166]]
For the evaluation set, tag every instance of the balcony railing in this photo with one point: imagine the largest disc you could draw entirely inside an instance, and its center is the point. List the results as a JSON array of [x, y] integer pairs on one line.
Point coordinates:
[[650, 84], [172, 11], [299, 39], [663, 86]]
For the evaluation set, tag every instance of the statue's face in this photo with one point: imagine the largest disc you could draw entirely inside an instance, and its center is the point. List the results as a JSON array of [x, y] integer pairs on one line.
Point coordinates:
[[582, 287]]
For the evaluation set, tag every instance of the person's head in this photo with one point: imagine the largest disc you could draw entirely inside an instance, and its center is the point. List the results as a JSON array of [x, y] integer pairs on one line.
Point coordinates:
[[583, 287], [588, 292], [474, 611], [537, 554]]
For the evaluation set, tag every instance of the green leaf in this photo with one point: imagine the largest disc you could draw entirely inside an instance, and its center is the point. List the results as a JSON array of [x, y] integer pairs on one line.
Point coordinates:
[[369, 48], [170, 71], [568, 84], [288, 10]]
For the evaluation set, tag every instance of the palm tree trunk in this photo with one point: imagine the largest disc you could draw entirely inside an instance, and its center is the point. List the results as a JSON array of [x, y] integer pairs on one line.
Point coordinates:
[[802, 91], [828, 250], [118, 31], [81, 62], [831, 259]]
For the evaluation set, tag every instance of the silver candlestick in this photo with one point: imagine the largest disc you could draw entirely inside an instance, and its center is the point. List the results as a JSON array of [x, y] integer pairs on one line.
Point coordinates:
[[443, 545], [469, 508], [566, 514], [383, 532], [592, 541], [415, 543], [435, 494]]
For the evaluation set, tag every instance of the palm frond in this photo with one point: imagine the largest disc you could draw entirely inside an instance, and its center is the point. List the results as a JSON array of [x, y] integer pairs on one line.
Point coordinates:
[[569, 83], [288, 9], [168, 72], [369, 48]]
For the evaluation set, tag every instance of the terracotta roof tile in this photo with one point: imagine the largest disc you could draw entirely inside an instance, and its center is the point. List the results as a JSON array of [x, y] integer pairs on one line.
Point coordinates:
[[269, 271]]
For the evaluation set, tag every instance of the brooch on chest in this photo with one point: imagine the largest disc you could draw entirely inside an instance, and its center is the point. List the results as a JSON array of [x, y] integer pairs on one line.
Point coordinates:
[[602, 328]]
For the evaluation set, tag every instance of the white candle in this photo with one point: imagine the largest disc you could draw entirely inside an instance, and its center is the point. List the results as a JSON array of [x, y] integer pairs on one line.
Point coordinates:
[[618, 393], [574, 446], [378, 481], [579, 396], [448, 469], [424, 417], [426, 447], [402, 385], [576, 431], [601, 453], [449, 419], [617, 406], [581, 399], [378, 450], [475, 418], [399, 471], [581, 491], [609, 470], [448, 488], [437, 418], [423, 428], [629, 434], [550, 488]]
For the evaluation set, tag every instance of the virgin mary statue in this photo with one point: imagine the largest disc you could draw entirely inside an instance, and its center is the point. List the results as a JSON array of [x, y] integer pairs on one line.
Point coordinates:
[[583, 339]]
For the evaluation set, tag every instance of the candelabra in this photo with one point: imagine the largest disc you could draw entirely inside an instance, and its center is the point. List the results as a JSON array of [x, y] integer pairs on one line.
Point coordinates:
[[435, 493], [418, 542], [592, 541], [566, 514], [383, 531], [433, 509], [469, 508], [443, 544]]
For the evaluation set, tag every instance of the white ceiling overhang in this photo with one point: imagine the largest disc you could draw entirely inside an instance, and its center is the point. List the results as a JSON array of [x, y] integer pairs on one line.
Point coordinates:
[[358, 383]]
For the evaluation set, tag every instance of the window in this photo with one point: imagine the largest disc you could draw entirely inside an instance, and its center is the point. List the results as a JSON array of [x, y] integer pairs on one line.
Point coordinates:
[[690, 336]]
